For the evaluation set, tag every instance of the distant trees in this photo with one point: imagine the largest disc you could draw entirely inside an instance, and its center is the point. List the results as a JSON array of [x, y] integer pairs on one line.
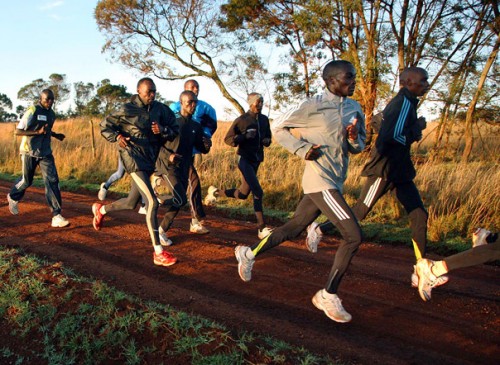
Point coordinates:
[[5, 106], [56, 82]]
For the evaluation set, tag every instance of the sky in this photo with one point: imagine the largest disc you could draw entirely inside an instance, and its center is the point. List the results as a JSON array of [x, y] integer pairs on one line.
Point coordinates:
[[42, 37]]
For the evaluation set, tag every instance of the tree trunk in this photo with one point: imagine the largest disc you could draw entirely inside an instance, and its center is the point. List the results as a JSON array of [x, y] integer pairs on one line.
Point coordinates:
[[469, 139]]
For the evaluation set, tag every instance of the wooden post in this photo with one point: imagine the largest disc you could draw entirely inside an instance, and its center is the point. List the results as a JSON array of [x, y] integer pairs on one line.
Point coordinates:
[[92, 136]]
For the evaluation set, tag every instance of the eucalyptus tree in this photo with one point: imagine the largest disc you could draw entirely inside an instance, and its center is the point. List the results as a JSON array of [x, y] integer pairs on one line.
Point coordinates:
[[56, 82], [168, 39]]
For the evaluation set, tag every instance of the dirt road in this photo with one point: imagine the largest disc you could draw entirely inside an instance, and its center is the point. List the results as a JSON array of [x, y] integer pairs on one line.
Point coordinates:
[[391, 324]]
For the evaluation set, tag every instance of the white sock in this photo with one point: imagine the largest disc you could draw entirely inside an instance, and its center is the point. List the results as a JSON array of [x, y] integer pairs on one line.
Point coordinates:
[[194, 221], [249, 254], [103, 210], [158, 249]]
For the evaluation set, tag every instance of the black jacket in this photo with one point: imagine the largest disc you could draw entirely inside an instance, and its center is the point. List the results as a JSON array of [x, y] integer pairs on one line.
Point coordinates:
[[252, 149], [190, 135], [134, 120], [391, 159]]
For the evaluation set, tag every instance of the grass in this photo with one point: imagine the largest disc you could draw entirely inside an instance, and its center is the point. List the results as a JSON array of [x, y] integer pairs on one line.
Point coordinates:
[[48, 315], [459, 197]]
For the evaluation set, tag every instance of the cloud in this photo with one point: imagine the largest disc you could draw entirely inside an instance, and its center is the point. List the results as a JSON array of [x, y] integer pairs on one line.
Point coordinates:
[[51, 5]]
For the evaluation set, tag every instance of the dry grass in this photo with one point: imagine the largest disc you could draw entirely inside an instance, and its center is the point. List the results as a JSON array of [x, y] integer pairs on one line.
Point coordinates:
[[459, 197]]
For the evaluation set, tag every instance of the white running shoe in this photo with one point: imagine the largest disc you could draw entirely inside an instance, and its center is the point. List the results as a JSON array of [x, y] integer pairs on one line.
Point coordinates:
[[332, 307], [101, 195], [264, 232], [197, 227], [13, 208], [210, 199], [314, 237], [245, 264], [164, 240], [142, 210], [59, 221], [441, 280], [478, 237]]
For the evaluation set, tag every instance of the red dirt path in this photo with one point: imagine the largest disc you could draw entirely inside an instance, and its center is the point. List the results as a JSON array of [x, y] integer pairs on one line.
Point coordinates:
[[391, 324]]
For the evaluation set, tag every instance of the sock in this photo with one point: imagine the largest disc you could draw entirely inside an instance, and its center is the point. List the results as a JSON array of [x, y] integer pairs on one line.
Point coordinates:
[[249, 255], [327, 295], [103, 210], [194, 221], [439, 268], [158, 249]]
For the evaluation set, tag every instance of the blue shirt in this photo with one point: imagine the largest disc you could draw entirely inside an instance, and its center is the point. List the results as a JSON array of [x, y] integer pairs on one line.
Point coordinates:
[[203, 114]]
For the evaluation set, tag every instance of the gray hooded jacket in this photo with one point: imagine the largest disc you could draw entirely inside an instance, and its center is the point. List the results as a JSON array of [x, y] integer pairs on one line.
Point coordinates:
[[322, 120]]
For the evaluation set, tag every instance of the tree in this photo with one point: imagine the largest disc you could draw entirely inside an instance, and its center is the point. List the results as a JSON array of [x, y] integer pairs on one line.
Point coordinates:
[[285, 23], [169, 39], [109, 97], [6, 104], [56, 83], [83, 95], [485, 22]]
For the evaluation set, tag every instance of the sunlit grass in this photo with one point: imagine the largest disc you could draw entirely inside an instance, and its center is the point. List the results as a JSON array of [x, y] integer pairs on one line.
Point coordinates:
[[75, 320], [459, 197]]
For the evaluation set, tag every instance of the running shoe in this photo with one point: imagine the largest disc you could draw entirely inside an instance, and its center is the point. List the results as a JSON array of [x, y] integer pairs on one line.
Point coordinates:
[[98, 216], [164, 259], [101, 195], [198, 228], [264, 232], [332, 306], [245, 264], [164, 240], [314, 237], [59, 221], [13, 208], [210, 199]]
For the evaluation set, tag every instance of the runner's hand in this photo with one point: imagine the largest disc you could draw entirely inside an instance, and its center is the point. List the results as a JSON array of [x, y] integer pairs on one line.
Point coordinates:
[[313, 153], [352, 130], [123, 141]]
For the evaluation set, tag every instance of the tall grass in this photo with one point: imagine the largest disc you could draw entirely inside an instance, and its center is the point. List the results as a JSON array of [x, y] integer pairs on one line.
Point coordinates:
[[459, 197]]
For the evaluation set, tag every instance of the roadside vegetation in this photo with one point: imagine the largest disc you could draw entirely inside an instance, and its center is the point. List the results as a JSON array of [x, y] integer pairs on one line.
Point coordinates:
[[459, 196], [49, 315]]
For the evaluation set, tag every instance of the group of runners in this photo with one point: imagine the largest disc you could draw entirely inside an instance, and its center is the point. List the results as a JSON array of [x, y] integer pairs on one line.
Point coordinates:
[[159, 144]]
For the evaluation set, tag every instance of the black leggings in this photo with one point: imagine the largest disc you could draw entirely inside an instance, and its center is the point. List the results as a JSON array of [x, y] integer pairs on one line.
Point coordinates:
[[407, 193], [141, 187], [332, 204], [249, 183]]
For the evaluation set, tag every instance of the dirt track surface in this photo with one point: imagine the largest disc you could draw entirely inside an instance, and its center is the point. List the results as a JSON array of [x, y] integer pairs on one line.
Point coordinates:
[[391, 324]]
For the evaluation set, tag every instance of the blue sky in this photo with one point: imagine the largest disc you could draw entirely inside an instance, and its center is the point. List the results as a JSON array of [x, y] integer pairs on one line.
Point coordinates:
[[42, 37]]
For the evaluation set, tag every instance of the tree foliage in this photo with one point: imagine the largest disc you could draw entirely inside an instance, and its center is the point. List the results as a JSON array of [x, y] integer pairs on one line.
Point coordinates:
[[169, 39], [5, 106], [56, 82]]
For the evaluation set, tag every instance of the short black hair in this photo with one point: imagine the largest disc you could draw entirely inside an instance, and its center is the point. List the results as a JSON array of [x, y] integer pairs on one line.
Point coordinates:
[[143, 80], [333, 66], [49, 93], [187, 92], [191, 81]]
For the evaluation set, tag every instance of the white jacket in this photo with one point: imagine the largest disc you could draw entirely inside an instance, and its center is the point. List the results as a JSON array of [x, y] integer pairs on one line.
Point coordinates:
[[322, 120]]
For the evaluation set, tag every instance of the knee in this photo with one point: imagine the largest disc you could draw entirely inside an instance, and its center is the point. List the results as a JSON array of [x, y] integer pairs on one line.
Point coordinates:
[[258, 194], [240, 195]]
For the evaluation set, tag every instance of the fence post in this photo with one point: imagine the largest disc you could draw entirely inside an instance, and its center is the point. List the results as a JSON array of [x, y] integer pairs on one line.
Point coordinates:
[[92, 136]]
